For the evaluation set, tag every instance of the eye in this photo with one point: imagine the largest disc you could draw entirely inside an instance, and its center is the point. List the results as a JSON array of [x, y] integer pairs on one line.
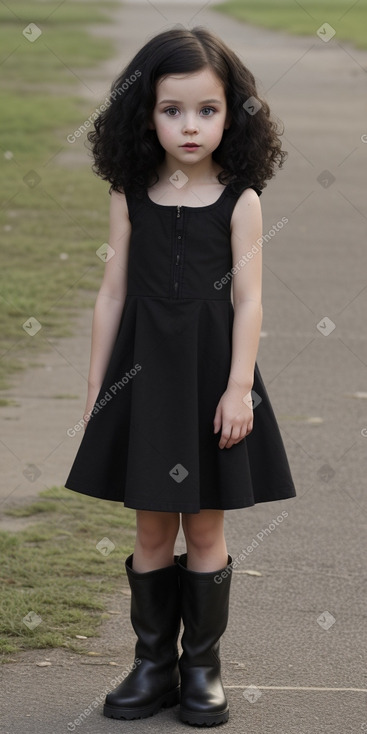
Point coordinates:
[[168, 110]]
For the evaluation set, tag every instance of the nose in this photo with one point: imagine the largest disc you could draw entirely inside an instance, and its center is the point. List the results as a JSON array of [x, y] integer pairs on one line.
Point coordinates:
[[190, 126]]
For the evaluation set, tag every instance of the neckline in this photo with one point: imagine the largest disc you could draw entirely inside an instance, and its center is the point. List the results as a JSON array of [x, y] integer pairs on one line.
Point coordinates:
[[184, 206]]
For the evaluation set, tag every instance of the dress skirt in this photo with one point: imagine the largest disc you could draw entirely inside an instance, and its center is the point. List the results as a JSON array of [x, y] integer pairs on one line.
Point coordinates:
[[150, 440]]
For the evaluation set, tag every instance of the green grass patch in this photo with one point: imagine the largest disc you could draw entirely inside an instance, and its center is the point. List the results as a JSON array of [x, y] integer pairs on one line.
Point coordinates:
[[53, 12], [4, 403], [53, 214], [304, 18], [63, 46], [54, 570]]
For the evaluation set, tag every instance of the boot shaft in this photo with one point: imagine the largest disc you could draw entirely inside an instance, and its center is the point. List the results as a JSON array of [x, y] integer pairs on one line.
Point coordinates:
[[155, 610], [204, 611]]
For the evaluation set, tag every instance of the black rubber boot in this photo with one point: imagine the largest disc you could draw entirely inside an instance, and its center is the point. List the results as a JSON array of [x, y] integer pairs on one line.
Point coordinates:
[[155, 617], [204, 611]]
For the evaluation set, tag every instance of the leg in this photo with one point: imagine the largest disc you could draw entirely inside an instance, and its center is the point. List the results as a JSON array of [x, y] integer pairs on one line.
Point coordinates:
[[205, 541], [156, 533], [204, 587], [155, 617]]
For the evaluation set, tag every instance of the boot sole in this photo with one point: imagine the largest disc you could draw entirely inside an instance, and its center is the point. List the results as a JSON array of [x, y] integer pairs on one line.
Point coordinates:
[[172, 698], [199, 719]]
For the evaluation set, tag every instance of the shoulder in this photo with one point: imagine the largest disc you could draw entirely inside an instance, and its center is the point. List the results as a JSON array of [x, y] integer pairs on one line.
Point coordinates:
[[247, 209]]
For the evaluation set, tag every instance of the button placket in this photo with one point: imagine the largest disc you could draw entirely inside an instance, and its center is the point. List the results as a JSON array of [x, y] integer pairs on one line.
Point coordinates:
[[178, 263]]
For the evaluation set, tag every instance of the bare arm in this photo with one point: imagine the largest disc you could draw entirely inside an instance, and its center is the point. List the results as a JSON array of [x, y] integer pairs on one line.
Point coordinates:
[[234, 411], [247, 287], [245, 343], [111, 297]]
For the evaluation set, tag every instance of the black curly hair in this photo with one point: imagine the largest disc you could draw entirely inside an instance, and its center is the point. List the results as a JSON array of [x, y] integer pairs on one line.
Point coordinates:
[[127, 153]]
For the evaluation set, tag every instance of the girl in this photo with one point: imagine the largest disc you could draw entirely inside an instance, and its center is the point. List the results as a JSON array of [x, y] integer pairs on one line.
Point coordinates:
[[177, 418]]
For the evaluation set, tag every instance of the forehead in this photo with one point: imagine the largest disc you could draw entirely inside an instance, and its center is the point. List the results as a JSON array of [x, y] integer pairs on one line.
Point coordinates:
[[192, 85]]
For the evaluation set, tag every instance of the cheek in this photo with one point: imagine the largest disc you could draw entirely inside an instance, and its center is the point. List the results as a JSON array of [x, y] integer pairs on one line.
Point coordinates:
[[218, 129], [165, 130]]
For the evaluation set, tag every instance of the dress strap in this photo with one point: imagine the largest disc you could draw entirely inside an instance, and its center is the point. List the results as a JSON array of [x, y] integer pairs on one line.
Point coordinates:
[[134, 203], [232, 191]]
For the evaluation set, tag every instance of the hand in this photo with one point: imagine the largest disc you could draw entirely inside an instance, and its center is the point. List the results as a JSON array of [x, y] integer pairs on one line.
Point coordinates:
[[235, 414], [91, 399]]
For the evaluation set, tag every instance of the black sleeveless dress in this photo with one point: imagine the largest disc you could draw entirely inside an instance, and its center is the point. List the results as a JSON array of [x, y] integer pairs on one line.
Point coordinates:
[[150, 440]]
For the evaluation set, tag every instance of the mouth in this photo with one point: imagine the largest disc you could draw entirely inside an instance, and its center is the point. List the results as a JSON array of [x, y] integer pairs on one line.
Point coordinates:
[[190, 145]]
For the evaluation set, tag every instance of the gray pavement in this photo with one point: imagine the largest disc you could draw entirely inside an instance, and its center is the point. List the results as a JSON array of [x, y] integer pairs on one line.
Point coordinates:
[[297, 632]]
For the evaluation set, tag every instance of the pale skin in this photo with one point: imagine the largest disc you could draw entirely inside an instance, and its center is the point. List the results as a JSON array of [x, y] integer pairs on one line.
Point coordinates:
[[185, 117]]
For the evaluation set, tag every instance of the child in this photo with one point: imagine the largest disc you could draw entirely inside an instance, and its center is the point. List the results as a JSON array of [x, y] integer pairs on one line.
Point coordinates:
[[177, 418]]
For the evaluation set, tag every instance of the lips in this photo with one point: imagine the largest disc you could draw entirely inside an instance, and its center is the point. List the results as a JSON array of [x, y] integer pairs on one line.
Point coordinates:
[[190, 145]]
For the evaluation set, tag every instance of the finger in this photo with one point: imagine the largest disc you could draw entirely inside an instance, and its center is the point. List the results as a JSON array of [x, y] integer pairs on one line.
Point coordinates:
[[216, 424], [230, 443], [226, 435], [217, 420], [237, 435], [239, 438]]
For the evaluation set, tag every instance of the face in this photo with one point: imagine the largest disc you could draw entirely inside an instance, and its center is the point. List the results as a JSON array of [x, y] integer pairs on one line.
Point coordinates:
[[190, 108]]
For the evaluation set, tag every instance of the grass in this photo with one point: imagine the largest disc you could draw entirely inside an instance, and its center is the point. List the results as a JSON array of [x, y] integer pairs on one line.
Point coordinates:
[[53, 569], [347, 17], [53, 216]]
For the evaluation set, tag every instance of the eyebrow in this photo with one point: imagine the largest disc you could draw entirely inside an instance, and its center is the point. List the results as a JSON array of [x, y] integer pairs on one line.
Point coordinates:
[[177, 101]]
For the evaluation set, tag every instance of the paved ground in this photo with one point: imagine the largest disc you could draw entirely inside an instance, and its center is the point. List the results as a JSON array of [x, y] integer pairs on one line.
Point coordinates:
[[297, 632]]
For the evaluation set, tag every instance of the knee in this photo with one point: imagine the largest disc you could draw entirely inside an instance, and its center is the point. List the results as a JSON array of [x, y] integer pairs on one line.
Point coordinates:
[[154, 533], [203, 534]]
